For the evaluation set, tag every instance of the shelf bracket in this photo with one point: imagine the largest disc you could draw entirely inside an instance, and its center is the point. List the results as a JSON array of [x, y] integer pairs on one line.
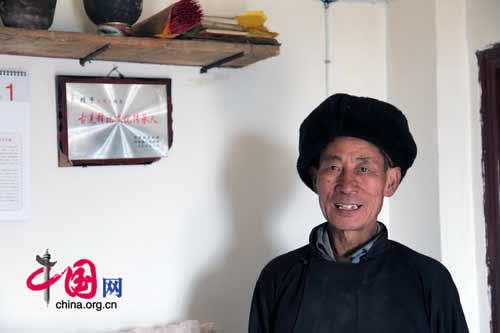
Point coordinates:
[[94, 54], [221, 62]]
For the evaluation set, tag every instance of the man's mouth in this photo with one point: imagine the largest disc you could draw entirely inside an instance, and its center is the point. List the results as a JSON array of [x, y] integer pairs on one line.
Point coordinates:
[[347, 206]]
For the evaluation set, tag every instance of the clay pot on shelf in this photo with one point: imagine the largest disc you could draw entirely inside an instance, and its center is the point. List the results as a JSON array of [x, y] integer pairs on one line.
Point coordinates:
[[28, 14], [117, 11]]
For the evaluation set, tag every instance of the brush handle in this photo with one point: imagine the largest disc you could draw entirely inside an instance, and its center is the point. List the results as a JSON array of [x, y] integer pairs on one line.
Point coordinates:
[[208, 17], [207, 24]]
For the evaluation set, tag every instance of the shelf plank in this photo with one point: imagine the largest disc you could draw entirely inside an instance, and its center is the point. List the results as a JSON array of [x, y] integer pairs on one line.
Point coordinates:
[[76, 45]]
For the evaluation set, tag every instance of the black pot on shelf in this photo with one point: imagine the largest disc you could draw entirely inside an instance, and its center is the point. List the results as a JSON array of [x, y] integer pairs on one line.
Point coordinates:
[[113, 11], [28, 14]]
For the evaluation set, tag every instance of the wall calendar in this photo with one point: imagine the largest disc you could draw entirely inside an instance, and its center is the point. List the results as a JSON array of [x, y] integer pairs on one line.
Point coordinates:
[[15, 145]]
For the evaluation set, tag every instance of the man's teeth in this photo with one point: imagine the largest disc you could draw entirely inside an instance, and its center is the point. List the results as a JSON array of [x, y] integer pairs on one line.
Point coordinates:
[[347, 207]]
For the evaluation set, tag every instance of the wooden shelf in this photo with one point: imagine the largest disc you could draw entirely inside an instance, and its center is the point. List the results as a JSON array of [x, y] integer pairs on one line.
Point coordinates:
[[76, 45]]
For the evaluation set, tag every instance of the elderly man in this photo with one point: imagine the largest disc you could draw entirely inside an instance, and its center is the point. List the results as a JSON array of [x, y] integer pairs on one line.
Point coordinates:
[[353, 152]]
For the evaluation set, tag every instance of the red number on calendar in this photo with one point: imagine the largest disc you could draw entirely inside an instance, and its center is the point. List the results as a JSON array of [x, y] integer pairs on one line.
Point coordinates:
[[11, 90]]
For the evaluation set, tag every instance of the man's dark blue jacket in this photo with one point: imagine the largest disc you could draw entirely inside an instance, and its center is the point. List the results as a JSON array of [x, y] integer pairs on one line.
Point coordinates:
[[392, 290]]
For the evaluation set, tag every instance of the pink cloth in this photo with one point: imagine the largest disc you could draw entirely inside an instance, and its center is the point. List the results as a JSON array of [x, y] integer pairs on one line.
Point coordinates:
[[189, 326]]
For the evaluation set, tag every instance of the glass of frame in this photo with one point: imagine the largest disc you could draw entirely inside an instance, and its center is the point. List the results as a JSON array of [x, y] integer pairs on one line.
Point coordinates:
[[108, 121]]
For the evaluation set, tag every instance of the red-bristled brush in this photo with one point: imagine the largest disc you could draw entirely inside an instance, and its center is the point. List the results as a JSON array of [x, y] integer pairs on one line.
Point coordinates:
[[186, 14], [174, 20]]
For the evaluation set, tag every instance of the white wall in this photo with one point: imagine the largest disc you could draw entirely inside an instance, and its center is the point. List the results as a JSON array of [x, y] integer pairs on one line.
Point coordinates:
[[190, 233], [411, 40], [463, 28], [455, 181]]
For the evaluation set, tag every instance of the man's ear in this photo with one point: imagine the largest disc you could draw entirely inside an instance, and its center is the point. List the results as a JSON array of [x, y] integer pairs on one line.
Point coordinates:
[[313, 172], [393, 178]]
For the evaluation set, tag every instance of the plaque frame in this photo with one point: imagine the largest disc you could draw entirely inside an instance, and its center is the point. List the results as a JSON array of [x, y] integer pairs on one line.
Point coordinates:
[[62, 118]]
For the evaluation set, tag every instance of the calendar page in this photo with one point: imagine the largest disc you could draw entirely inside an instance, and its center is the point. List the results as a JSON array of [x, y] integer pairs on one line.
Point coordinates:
[[15, 147]]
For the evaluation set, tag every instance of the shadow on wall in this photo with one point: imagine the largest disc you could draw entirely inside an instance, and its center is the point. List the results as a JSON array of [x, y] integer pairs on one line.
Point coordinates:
[[257, 185]]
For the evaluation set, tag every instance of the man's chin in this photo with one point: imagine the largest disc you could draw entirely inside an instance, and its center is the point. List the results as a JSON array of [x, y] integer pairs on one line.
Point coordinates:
[[349, 224]]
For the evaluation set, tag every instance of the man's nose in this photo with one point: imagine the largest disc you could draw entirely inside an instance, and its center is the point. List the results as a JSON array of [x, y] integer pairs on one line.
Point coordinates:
[[347, 182]]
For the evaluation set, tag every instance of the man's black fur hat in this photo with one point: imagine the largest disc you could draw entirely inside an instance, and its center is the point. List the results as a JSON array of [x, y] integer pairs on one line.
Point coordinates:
[[361, 117]]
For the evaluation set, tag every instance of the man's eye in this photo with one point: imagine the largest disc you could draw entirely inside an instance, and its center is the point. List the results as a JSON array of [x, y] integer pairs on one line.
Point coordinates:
[[363, 169], [333, 168]]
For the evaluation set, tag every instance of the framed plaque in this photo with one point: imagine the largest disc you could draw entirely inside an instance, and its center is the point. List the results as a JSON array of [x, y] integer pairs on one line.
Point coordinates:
[[107, 120]]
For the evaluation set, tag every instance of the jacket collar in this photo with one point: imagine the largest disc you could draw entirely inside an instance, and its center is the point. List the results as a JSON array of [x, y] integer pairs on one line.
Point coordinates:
[[321, 248]]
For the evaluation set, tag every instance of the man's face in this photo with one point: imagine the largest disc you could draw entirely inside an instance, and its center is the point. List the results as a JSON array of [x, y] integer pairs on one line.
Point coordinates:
[[351, 183]]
